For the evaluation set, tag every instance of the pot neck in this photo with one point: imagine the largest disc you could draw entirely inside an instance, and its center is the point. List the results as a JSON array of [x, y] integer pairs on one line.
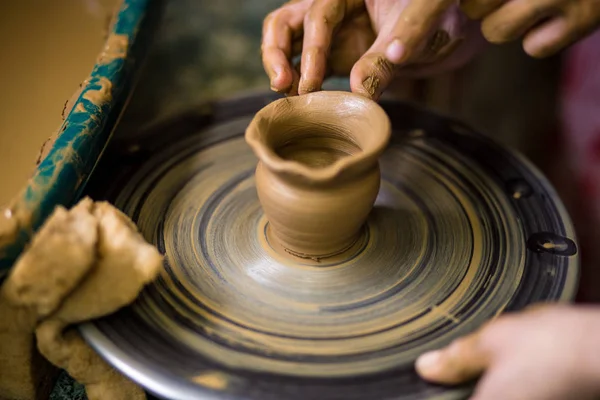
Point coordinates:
[[340, 172]]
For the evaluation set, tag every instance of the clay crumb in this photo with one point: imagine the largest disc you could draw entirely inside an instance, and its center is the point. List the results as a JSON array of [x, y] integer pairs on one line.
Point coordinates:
[[212, 380]]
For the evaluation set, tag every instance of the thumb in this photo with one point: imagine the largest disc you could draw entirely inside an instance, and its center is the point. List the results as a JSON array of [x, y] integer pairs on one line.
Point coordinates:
[[407, 37], [463, 360], [371, 75], [374, 72]]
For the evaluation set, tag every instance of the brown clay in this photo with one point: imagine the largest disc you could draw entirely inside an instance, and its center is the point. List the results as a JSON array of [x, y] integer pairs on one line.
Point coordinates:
[[92, 261], [318, 171]]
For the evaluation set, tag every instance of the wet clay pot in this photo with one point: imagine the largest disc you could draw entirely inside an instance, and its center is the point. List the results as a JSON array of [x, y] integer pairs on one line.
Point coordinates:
[[318, 171]]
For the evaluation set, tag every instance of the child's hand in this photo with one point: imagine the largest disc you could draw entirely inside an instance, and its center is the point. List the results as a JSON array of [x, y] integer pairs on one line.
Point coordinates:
[[547, 352], [546, 26]]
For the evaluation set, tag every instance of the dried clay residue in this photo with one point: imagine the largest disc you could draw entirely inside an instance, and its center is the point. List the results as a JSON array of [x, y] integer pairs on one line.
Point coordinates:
[[101, 95], [116, 47], [67, 108], [371, 84], [381, 67]]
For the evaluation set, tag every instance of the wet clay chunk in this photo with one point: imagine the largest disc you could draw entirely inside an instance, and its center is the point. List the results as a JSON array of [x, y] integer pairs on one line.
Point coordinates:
[[83, 264]]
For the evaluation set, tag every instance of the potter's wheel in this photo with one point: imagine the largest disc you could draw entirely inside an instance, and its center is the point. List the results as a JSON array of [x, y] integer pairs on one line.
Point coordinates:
[[462, 230]]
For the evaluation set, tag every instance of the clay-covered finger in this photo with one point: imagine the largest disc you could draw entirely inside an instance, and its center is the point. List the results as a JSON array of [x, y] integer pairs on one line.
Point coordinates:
[[415, 24], [463, 360], [374, 72], [320, 22], [279, 30], [371, 75], [376, 69], [515, 18], [478, 9]]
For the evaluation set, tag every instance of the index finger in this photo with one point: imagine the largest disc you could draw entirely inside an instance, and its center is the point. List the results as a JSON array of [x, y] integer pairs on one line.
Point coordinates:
[[320, 23], [279, 29], [416, 23]]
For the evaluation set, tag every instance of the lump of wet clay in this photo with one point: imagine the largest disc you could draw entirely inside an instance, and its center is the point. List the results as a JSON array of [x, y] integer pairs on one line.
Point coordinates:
[[84, 263]]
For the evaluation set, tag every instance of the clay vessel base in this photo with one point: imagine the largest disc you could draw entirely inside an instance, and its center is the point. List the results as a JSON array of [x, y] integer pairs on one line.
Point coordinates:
[[340, 256]]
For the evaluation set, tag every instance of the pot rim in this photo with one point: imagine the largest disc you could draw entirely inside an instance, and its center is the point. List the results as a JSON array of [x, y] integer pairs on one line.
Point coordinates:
[[352, 164]]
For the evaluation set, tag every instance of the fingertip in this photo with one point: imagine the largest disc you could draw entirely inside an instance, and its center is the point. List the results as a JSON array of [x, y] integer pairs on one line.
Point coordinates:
[[313, 67], [533, 51], [308, 86], [371, 75], [533, 46], [281, 80], [395, 51], [548, 39], [357, 87], [428, 364], [367, 86]]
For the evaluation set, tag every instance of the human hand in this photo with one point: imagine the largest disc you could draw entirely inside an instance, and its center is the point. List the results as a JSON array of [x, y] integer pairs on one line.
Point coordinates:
[[372, 41], [544, 353], [546, 26]]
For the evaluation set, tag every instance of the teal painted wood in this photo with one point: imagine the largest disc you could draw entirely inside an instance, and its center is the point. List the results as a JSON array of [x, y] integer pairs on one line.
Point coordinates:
[[61, 176]]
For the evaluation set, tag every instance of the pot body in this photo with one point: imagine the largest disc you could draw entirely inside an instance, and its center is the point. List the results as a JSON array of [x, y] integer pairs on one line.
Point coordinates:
[[316, 221]]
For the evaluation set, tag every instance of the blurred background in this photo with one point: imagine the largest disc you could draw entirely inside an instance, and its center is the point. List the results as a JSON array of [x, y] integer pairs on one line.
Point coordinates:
[[48, 48]]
